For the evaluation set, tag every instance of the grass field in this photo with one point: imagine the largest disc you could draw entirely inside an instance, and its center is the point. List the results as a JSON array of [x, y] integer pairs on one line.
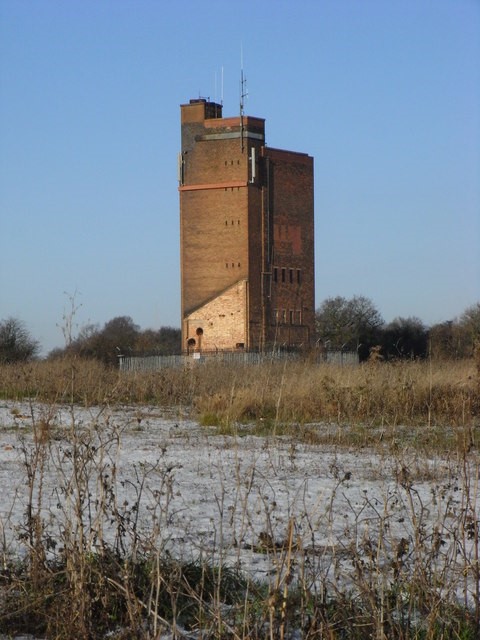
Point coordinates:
[[275, 501]]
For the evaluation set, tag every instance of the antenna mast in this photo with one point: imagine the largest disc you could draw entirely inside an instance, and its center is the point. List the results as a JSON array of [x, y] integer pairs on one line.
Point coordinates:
[[243, 95]]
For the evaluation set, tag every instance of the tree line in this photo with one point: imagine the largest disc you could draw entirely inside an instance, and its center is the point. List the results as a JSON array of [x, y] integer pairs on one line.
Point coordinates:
[[355, 324], [342, 324]]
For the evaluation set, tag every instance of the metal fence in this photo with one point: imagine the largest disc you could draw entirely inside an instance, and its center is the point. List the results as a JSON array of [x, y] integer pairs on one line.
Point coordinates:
[[155, 363]]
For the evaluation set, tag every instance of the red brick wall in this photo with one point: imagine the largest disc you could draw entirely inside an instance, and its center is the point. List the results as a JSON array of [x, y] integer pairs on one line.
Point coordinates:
[[292, 206]]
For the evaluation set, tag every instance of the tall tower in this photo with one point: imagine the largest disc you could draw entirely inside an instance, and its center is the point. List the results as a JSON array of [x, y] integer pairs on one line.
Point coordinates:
[[246, 233]]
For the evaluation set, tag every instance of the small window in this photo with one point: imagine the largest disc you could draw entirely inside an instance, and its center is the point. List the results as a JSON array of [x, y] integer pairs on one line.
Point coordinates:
[[284, 316], [226, 265], [199, 331], [299, 278], [291, 316], [283, 274], [291, 275], [275, 274]]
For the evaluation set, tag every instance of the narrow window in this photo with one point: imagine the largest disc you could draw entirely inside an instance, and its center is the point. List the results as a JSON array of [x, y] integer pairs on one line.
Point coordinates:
[[291, 275], [283, 274], [275, 274], [284, 316], [226, 265], [299, 278], [291, 316]]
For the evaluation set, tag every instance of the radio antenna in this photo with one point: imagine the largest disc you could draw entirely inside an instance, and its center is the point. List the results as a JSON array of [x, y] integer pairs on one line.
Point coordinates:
[[243, 95], [221, 92]]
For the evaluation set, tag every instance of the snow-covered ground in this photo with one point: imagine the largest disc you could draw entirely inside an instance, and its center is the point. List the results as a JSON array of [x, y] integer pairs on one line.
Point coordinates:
[[158, 478]]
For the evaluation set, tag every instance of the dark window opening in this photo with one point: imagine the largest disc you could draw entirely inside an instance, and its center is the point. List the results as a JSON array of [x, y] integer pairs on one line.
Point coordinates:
[[275, 274], [283, 274], [199, 331], [291, 275], [298, 276], [291, 316]]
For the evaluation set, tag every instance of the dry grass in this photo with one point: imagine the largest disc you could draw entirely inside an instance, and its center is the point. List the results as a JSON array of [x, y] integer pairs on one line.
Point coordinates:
[[126, 584], [380, 399]]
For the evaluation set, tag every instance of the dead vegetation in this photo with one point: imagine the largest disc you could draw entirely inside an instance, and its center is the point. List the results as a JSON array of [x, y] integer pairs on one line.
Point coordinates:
[[444, 395], [92, 548]]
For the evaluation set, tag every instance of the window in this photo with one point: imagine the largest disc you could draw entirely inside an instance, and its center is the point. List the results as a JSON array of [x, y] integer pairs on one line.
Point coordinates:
[[283, 274], [275, 274], [291, 275], [299, 279], [284, 316], [291, 316]]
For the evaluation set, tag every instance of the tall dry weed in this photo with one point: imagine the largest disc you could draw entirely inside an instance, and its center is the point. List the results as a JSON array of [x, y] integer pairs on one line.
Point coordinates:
[[376, 394]]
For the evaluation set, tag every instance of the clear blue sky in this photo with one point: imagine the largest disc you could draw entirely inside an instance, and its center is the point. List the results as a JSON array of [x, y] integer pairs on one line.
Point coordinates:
[[385, 94]]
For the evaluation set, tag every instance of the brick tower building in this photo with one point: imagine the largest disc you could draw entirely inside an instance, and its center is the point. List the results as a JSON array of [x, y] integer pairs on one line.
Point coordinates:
[[247, 248]]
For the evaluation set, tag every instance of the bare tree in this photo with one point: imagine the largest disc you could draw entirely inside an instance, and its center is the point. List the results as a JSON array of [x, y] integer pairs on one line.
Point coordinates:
[[16, 343], [405, 338], [352, 324]]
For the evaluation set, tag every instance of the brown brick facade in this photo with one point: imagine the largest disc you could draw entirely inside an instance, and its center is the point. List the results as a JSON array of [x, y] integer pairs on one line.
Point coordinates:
[[246, 221]]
